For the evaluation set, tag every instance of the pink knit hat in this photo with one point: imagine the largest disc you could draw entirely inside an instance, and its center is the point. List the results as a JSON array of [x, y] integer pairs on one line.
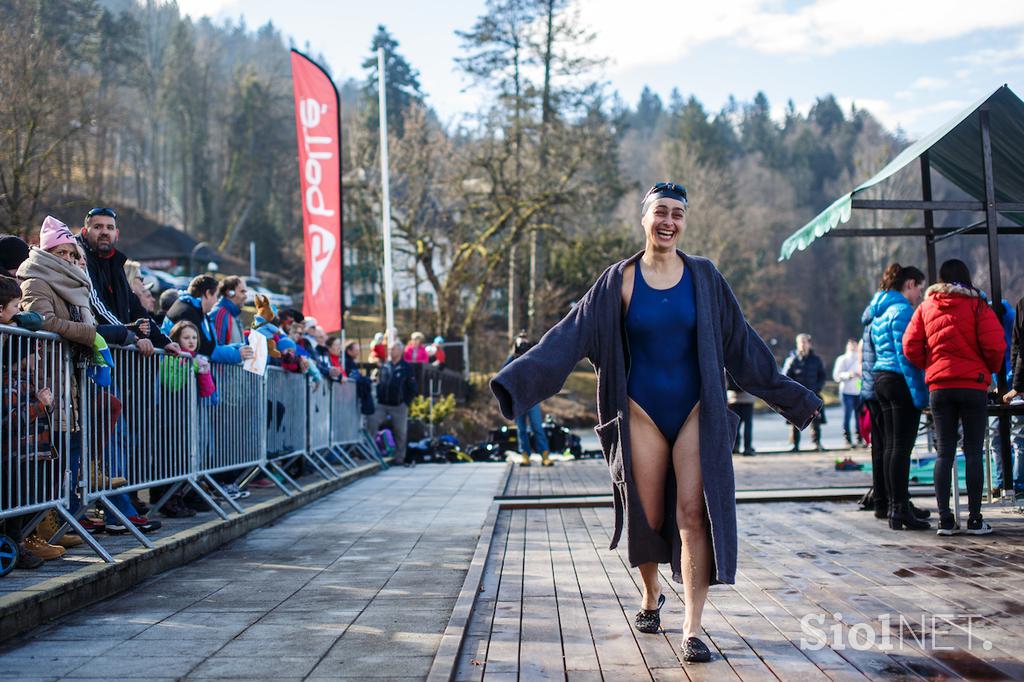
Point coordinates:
[[54, 233]]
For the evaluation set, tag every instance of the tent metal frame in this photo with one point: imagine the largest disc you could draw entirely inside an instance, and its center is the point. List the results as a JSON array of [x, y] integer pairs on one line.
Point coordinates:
[[988, 226]]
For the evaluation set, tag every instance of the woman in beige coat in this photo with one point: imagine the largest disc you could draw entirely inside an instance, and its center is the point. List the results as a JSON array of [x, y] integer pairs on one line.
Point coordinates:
[[55, 284]]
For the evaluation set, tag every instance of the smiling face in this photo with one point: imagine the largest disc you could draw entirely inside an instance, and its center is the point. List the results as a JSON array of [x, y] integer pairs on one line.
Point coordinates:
[[663, 223]]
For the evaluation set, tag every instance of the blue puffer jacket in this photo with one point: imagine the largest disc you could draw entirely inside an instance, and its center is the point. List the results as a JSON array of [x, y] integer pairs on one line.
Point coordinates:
[[867, 353], [189, 308], [890, 315]]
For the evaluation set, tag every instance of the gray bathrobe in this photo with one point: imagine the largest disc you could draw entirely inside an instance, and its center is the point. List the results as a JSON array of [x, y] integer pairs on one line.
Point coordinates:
[[593, 329]]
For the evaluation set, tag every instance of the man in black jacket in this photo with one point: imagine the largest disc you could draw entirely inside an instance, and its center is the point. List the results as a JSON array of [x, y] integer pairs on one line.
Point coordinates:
[[112, 297], [805, 367], [396, 388]]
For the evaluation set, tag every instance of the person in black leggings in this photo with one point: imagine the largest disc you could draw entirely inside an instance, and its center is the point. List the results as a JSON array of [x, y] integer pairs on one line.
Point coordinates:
[[879, 493], [959, 342], [899, 388]]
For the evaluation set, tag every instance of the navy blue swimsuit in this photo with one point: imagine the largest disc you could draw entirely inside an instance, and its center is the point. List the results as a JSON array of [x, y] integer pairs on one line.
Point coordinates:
[[661, 330]]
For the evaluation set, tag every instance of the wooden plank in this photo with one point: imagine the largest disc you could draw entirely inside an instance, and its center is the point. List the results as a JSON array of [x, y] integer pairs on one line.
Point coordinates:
[[922, 658], [474, 650], [833, 665], [964, 594], [658, 651], [540, 650], [503, 649], [785, 659], [577, 639], [776, 554], [616, 646], [720, 637]]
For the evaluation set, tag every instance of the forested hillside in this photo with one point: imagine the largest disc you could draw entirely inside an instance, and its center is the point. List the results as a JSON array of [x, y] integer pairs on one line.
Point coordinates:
[[191, 122]]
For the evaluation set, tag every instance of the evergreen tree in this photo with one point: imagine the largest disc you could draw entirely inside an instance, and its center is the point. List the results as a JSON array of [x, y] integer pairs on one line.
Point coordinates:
[[758, 131], [402, 84], [648, 111]]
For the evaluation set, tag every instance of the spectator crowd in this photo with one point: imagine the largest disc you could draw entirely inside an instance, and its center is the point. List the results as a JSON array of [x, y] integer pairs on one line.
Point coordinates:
[[83, 289]]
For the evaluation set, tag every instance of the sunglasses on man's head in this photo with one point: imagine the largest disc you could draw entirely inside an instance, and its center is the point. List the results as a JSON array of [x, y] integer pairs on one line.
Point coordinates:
[[109, 212]]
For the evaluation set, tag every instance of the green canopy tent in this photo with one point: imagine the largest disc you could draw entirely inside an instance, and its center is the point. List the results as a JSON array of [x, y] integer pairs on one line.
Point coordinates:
[[981, 151]]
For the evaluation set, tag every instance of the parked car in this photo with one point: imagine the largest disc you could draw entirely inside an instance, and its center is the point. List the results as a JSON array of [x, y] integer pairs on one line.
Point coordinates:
[[162, 280], [255, 286]]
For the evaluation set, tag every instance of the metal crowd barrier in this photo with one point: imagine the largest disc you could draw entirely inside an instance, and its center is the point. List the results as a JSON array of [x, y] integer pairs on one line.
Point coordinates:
[[318, 415], [150, 428], [38, 446], [232, 428], [141, 432], [287, 424], [347, 436]]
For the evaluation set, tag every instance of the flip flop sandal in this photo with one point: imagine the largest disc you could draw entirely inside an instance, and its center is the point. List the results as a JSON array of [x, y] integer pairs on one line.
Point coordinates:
[[648, 620]]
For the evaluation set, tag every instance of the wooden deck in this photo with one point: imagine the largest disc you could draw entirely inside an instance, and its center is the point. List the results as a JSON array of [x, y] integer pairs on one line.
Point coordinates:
[[762, 472], [555, 603]]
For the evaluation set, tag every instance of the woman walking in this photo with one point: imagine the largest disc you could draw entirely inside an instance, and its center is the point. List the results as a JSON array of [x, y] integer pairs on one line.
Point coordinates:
[[957, 339], [665, 429], [899, 387]]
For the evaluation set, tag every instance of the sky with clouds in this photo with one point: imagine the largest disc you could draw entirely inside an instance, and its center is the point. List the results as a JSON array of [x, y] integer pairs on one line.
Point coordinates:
[[912, 63]]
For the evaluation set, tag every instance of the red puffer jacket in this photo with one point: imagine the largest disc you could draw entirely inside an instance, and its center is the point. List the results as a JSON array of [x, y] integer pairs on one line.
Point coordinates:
[[955, 338]]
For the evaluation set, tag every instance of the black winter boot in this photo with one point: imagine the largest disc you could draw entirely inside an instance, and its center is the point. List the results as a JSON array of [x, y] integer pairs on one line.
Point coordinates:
[[901, 518]]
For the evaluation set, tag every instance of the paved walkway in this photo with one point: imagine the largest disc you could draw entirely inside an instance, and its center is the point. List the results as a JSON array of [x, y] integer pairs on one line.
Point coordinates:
[[358, 585]]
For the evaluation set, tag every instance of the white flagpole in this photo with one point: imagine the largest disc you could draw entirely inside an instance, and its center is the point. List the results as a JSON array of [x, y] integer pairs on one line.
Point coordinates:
[[389, 306]]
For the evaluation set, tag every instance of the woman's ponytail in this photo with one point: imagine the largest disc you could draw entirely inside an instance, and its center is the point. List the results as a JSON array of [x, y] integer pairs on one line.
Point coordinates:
[[895, 276], [889, 277]]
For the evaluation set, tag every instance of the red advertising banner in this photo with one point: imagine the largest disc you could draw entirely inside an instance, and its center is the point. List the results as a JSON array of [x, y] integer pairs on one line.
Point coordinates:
[[317, 121]]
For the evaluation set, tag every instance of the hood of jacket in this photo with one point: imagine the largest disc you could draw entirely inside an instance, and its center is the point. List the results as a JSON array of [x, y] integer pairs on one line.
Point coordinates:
[[191, 300], [941, 292], [882, 301], [69, 282]]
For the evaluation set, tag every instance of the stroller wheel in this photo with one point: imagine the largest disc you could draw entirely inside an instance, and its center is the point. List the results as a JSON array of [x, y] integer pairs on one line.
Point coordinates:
[[8, 555]]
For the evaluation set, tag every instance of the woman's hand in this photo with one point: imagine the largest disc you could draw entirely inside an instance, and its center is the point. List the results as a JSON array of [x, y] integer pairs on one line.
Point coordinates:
[[45, 397], [1010, 395], [141, 326]]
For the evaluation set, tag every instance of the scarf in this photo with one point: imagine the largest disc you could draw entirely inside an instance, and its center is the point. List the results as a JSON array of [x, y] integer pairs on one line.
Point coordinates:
[[69, 282]]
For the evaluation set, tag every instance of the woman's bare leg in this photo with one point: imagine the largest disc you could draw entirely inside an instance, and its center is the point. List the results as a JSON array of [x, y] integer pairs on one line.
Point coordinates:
[[650, 460], [690, 516]]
